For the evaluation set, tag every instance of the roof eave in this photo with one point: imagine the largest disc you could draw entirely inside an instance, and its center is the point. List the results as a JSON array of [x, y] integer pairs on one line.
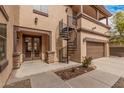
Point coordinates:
[[103, 9]]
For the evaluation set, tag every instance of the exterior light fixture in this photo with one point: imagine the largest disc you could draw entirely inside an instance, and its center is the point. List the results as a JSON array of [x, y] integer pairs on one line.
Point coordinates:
[[66, 10], [36, 20]]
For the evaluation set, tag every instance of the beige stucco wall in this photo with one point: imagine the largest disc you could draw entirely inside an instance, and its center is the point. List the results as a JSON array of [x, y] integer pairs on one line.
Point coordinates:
[[89, 25], [6, 72]]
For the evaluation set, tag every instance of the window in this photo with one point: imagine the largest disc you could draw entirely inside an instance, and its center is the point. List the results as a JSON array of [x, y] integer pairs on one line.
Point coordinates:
[[41, 8], [2, 42]]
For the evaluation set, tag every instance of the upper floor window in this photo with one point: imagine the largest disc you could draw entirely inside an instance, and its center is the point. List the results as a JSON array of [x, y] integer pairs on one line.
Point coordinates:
[[41, 8], [2, 42]]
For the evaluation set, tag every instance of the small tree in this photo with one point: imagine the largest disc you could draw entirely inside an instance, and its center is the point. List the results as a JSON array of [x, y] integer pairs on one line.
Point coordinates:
[[86, 62], [118, 28], [118, 20]]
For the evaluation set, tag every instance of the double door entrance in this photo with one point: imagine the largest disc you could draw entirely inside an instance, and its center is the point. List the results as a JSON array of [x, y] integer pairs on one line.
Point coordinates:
[[32, 47]]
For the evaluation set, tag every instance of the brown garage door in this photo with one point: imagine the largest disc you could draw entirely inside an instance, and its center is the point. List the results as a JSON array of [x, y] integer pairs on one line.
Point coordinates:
[[95, 50]]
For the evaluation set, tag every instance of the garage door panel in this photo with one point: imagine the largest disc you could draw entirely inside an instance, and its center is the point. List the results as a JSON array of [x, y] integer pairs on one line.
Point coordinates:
[[95, 49]]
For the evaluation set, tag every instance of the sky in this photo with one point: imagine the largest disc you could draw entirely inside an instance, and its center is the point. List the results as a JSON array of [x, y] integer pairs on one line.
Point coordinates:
[[114, 8]]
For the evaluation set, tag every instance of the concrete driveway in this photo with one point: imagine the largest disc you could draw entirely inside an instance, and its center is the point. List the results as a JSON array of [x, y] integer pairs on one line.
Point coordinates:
[[108, 71]]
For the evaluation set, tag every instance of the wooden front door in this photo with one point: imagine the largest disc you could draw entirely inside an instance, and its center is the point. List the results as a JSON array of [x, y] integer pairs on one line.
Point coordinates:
[[32, 47]]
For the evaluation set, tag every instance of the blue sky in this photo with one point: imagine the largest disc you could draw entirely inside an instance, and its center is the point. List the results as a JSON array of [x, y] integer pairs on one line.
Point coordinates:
[[115, 8]]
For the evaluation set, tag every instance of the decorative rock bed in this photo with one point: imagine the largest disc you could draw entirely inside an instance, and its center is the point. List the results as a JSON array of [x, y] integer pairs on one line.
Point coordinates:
[[74, 71]]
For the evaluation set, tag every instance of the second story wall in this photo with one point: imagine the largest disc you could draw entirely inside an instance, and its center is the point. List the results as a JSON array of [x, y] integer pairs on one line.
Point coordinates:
[[51, 23], [16, 14], [24, 16], [93, 26]]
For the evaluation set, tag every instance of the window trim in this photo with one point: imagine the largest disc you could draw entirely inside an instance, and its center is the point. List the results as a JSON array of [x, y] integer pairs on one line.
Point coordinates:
[[4, 62], [40, 12]]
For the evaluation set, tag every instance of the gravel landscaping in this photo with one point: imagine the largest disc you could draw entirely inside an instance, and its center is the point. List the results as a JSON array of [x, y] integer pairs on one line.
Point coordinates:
[[74, 72], [119, 83], [20, 84]]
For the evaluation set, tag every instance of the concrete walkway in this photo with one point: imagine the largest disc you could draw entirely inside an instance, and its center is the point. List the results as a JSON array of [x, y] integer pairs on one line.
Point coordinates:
[[48, 80], [35, 68], [108, 71]]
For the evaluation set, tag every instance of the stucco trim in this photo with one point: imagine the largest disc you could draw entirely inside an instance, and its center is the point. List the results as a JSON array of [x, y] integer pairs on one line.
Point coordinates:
[[2, 9], [95, 40], [85, 16], [19, 28], [92, 32], [40, 13]]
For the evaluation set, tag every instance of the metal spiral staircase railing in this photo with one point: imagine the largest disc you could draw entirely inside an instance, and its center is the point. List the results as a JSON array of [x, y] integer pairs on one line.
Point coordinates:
[[68, 32]]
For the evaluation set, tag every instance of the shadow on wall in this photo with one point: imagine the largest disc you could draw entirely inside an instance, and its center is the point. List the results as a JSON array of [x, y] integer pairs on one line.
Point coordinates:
[[59, 43]]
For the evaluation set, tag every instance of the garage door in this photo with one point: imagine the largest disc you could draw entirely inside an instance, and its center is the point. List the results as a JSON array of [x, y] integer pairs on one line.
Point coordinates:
[[95, 50]]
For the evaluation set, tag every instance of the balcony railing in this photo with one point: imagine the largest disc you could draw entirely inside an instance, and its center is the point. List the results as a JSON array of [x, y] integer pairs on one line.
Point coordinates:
[[71, 21]]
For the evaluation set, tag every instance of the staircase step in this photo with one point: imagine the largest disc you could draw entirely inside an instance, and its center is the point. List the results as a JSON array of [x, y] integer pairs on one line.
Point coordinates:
[[71, 49], [64, 33], [71, 45], [68, 28]]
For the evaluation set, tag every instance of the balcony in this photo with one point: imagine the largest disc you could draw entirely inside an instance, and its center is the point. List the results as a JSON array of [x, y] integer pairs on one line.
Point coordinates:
[[89, 23], [92, 18]]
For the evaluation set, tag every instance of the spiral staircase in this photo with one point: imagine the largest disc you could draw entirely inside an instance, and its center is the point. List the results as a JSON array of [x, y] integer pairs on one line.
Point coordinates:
[[68, 32]]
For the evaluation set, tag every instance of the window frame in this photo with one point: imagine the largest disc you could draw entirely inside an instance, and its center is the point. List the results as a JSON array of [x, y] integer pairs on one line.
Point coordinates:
[[40, 12], [4, 61]]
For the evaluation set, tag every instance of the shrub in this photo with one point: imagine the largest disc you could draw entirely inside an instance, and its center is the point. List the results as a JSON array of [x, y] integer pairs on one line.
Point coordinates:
[[86, 62]]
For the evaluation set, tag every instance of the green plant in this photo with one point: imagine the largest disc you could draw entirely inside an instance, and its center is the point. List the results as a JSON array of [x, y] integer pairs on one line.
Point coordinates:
[[117, 28], [86, 62]]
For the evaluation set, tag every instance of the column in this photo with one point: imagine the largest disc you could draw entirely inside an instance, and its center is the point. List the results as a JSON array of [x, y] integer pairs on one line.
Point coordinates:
[[81, 8], [97, 14], [107, 49]]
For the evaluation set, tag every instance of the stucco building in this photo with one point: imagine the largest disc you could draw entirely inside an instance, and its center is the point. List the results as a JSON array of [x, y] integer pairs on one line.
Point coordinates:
[[51, 34]]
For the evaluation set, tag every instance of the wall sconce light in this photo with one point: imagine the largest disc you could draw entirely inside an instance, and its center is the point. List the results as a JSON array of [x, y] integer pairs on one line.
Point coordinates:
[[66, 10], [36, 20]]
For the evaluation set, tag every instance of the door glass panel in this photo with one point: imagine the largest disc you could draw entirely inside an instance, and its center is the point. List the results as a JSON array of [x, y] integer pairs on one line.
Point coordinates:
[[28, 42], [36, 47], [36, 44], [28, 47]]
